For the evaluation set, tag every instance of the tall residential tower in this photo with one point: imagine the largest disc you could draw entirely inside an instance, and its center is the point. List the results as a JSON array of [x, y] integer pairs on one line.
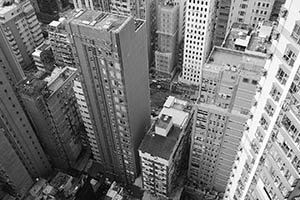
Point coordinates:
[[267, 165], [111, 53], [21, 156], [20, 29], [50, 102]]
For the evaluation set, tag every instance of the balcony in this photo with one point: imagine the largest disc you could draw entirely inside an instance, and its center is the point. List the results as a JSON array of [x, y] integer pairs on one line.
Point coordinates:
[[296, 164]]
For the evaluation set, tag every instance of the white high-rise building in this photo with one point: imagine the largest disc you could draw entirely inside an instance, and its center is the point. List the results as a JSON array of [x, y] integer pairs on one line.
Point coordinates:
[[267, 165], [199, 25]]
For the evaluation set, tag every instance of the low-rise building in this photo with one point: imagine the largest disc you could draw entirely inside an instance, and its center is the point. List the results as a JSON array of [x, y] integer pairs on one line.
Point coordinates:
[[162, 149]]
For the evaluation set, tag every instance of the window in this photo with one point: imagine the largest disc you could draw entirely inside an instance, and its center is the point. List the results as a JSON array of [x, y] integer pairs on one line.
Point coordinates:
[[296, 32], [269, 108], [245, 80], [275, 93], [259, 134], [289, 56], [264, 123], [242, 13], [281, 76], [244, 6]]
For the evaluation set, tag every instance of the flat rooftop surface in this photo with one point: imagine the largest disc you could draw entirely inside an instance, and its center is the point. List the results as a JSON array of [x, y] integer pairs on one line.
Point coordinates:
[[221, 58], [158, 145], [58, 78], [99, 20]]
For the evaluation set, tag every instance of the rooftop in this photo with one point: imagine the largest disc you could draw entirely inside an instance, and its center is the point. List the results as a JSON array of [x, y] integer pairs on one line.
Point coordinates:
[[243, 38], [229, 59], [115, 192], [38, 187], [58, 77], [99, 20], [60, 187], [168, 5], [60, 180], [5, 6], [162, 146], [41, 83], [158, 145], [55, 23], [60, 24], [42, 47]]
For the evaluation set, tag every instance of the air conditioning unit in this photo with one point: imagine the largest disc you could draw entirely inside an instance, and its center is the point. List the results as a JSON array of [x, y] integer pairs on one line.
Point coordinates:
[[283, 12]]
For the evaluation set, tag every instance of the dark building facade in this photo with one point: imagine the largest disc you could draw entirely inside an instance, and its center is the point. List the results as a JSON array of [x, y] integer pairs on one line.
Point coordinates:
[[51, 105], [111, 54]]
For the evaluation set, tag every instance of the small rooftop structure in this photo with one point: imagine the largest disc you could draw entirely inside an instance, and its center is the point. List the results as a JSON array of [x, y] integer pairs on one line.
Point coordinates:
[[37, 54], [49, 190], [243, 37], [163, 125], [62, 181], [54, 23], [38, 187], [12, 8], [264, 29]]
